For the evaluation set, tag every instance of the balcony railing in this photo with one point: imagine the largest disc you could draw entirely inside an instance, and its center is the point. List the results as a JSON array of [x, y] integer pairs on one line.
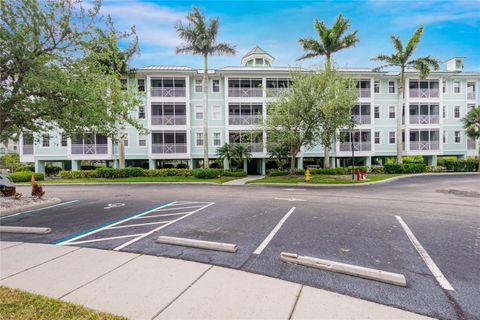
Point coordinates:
[[471, 145], [362, 119], [364, 93], [424, 119], [424, 145], [424, 93], [167, 92], [275, 92], [27, 149], [357, 146], [244, 120], [89, 148], [471, 95], [245, 92], [169, 120], [169, 148]]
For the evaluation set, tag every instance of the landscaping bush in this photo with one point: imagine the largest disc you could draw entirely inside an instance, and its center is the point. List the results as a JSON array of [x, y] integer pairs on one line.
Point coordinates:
[[236, 173], [87, 167], [26, 168], [208, 173], [300, 172], [52, 170], [329, 171], [78, 174], [413, 159], [106, 172], [167, 166], [25, 176], [132, 172], [469, 165], [276, 173], [168, 172], [364, 168], [377, 169], [441, 160], [405, 167]]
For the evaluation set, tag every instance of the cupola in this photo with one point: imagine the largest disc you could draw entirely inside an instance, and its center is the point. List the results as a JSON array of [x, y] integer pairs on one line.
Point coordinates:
[[257, 57], [455, 64]]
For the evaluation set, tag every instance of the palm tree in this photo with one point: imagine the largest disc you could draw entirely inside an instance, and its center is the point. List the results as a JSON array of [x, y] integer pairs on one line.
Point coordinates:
[[331, 40], [200, 38], [279, 152], [471, 122], [226, 153], [402, 59], [240, 153]]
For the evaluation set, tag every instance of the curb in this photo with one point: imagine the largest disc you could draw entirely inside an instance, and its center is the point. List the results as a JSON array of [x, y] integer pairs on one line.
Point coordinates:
[[52, 202], [124, 183]]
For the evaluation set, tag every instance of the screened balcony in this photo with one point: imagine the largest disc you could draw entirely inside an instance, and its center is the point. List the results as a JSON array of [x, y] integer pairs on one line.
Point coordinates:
[[27, 146], [423, 88], [245, 88], [169, 142], [362, 141], [244, 114], [364, 89], [422, 140], [471, 91], [89, 144], [276, 86], [252, 139], [424, 113], [168, 114], [167, 87], [361, 113]]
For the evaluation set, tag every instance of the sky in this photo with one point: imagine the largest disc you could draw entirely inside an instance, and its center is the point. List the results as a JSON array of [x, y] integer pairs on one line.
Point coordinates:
[[452, 28]]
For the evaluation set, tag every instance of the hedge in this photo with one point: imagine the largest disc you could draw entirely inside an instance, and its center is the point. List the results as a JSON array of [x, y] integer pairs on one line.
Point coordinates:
[[26, 176], [236, 173], [277, 172], [405, 167], [25, 168], [469, 165], [168, 172], [329, 171], [78, 174], [208, 173]]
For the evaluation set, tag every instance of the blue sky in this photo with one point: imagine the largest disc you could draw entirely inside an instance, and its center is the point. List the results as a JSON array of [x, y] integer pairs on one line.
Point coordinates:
[[452, 28]]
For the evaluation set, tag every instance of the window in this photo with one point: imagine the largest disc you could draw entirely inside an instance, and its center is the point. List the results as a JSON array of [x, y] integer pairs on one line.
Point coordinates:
[[142, 140], [46, 140], [444, 111], [457, 136], [125, 140], [391, 137], [377, 137], [216, 139], [198, 112], [456, 87], [444, 138], [198, 85], [376, 112], [444, 86], [391, 86], [141, 85], [391, 112], [141, 112], [215, 85], [456, 114], [376, 86], [124, 84], [199, 139], [216, 113], [63, 140]]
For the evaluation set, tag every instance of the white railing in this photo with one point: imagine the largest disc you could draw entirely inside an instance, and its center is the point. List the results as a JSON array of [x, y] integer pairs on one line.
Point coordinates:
[[167, 92], [275, 92], [245, 92], [364, 93], [169, 120], [424, 119], [241, 120], [423, 93], [89, 148], [471, 95], [424, 145], [169, 148], [471, 145], [27, 149], [362, 119], [357, 146]]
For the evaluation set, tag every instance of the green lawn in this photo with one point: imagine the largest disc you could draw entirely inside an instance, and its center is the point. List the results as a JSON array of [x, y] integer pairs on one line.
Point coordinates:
[[137, 179], [16, 304], [324, 179]]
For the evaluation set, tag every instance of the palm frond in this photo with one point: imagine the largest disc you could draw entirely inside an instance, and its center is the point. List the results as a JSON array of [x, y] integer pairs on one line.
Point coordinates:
[[389, 59], [397, 43], [186, 49], [223, 48], [413, 42], [312, 47], [424, 65]]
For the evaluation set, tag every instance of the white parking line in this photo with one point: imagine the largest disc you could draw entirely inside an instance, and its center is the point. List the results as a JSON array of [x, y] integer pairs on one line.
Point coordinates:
[[138, 224], [175, 208], [162, 215], [426, 257], [108, 238], [273, 232]]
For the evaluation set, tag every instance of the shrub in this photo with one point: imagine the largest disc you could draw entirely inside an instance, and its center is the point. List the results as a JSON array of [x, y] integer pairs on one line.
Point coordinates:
[[405, 168], [236, 173], [132, 172], [455, 165], [209, 173], [329, 171], [377, 169], [168, 172], [26, 168], [167, 166], [276, 173], [441, 160], [413, 159], [52, 170], [364, 168], [25, 176], [106, 172], [300, 172], [78, 174], [86, 167]]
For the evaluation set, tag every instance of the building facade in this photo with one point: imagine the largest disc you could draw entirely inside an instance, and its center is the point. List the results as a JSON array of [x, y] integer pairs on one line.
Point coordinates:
[[238, 96]]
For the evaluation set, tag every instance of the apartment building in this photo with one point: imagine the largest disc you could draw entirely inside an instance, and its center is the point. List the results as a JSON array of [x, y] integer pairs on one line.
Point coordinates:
[[238, 96]]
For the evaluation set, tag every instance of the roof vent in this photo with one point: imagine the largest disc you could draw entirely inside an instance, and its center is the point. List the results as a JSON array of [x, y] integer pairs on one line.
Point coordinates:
[[455, 64]]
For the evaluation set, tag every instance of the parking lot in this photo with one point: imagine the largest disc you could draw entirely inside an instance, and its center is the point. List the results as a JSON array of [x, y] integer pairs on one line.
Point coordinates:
[[369, 226]]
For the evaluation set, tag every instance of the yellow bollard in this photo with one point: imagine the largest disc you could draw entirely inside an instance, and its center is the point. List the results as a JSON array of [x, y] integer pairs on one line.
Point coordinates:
[[307, 175]]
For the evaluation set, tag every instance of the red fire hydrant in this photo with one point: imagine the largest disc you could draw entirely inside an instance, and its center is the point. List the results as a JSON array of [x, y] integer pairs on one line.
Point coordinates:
[[363, 174], [358, 175]]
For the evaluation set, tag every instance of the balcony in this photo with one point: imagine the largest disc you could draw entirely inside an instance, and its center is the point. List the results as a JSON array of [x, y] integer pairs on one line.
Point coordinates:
[[471, 95], [167, 92], [89, 149], [252, 147], [424, 93], [424, 119], [362, 119], [357, 146], [169, 148], [27, 149], [169, 120], [364, 93], [471, 145], [244, 120], [275, 92], [245, 92], [424, 145]]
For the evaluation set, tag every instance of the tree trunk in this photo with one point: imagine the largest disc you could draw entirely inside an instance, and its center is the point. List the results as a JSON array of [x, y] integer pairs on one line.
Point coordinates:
[[401, 101], [293, 157], [121, 148], [326, 158], [205, 112]]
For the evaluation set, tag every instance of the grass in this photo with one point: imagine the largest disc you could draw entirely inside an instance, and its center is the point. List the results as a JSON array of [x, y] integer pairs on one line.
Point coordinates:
[[324, 179], [136, 179], [16, 304]]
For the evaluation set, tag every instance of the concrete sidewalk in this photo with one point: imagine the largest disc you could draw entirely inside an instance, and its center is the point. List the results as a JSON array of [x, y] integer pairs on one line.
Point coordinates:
[[242, 181], [147, 287]]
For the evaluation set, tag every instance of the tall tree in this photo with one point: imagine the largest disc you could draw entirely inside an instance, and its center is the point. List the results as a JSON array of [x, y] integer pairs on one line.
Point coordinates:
[[296, 118], [200, 38], [471, 122], [330, 40], [402, 58], [226, 152]]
